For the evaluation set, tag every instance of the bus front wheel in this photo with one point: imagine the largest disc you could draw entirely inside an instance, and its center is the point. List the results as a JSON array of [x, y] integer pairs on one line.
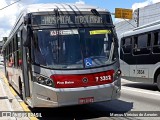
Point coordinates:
[[158, 82]]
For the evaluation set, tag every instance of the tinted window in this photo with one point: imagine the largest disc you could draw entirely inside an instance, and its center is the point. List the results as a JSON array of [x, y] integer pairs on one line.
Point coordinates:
[[156, 46], [142, 44], [142, 41], [149, 40], [156, 38], [126, 45]]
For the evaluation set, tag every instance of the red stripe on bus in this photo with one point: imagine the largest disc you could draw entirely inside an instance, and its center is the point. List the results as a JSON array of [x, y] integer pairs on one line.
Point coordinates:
[[85, 80]]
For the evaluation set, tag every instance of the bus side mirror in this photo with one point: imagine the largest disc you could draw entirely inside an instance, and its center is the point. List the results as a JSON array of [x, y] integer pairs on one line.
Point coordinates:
[[27, 19], [26, 36]]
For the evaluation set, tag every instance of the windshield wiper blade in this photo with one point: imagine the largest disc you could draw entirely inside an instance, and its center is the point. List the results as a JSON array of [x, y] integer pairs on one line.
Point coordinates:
[[58, 27]]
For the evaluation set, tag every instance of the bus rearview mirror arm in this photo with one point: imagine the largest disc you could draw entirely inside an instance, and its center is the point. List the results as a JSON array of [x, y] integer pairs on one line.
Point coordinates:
[[26, 36]]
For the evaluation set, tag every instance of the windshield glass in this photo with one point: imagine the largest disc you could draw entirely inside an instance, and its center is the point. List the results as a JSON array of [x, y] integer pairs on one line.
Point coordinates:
[[72, 48]]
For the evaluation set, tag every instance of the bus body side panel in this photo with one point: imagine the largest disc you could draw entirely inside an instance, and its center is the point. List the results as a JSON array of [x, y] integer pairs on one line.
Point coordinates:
[[140, 71], [135, 68], [125, 69], [146, 51], [14, 75]]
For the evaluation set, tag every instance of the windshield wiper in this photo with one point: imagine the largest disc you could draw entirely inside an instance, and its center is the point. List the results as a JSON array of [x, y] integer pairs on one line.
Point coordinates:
[[58, 27]]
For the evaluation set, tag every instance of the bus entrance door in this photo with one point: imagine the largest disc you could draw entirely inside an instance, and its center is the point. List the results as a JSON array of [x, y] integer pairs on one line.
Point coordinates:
[[26, 73]]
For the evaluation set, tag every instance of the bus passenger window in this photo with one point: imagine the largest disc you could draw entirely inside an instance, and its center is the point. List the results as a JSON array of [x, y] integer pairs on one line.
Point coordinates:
[[141, 44], [149, 40], [135, 42], [11, 61], [122, 42], [156, 38], [128, 41], [126, 45], [142, 41], [156, 47]]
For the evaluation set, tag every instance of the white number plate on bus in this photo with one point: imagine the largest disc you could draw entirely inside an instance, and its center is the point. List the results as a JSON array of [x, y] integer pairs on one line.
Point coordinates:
[[86, 100], [142, 73]]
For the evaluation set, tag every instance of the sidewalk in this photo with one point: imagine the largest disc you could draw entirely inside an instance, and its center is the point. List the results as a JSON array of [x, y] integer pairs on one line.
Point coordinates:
[[8, 102]]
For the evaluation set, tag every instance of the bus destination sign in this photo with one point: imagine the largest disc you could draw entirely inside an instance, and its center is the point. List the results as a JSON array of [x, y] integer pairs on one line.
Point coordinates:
[[51, 19], [71, 19]]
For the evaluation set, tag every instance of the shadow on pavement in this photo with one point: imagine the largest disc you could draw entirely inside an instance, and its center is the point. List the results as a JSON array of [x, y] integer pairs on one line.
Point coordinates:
[[145, 86], [79, 112]]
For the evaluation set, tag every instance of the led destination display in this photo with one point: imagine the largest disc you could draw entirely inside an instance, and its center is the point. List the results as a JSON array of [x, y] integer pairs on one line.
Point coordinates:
[[70, 19]]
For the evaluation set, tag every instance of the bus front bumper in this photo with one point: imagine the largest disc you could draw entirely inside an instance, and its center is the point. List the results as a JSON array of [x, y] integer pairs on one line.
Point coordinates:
[[44, 96]]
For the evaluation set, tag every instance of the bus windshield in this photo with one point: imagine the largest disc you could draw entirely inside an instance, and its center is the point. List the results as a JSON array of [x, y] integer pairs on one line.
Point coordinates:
[[72, 48]]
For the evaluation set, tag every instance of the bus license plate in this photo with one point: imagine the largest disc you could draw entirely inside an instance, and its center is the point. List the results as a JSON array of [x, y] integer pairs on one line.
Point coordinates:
[[86, 100]]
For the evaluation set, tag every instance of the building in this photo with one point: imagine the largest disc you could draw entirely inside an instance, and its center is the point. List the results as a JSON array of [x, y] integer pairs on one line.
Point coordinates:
[[1, 44], [141, 16]]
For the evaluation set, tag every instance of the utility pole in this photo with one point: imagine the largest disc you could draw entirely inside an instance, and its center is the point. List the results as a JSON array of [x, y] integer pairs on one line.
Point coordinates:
[[136, 16]]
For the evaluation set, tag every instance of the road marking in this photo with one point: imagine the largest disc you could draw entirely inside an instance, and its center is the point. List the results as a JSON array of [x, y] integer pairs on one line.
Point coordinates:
[[24, 106], [137, 90]]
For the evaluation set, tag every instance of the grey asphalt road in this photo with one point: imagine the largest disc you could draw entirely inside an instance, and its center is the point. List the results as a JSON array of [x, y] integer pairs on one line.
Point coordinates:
[[146, 97]]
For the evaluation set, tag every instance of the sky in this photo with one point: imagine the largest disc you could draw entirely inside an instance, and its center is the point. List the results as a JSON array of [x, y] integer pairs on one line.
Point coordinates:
[[8, 15]]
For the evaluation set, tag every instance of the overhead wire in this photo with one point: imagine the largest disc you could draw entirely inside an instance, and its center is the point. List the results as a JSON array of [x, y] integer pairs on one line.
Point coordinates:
[[10, 4]]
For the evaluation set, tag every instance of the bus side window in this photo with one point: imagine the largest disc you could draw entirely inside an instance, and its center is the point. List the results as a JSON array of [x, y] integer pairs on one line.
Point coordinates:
[[149, 40], [141, 44], [11, 61], [142, 41], [156, 45], [126, 45], [122, 42], [135, 42], [156, 38]]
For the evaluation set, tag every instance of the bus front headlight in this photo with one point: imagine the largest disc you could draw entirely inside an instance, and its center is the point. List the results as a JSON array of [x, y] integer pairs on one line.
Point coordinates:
[[45, 81]]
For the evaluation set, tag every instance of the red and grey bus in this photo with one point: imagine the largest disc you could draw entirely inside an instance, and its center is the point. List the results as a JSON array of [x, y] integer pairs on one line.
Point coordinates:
[[63, 54]]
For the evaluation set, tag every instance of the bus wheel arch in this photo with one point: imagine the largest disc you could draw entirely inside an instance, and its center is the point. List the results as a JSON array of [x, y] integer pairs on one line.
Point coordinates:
[[157, 78]]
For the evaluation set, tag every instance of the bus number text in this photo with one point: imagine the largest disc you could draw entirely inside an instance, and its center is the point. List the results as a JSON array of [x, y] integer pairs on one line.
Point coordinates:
[[139, 71], [103, 78]]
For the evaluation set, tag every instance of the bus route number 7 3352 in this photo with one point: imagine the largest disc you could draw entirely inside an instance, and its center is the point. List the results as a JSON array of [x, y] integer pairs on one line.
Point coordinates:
[[103, 78]]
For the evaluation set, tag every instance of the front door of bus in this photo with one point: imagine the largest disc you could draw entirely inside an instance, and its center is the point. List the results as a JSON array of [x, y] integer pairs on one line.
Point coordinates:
[[26, 72]]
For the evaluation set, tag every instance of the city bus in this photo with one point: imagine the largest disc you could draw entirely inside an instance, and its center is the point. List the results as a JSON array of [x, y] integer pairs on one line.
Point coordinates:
[[140, 54], [63, 54]]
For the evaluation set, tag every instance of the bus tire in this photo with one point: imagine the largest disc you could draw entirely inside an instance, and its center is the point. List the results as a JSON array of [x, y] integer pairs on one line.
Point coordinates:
[[158, 82], [20, 89]]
